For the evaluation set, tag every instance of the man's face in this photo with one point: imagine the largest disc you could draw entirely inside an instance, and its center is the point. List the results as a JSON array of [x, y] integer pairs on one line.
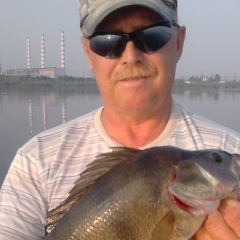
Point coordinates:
[[136, 80]]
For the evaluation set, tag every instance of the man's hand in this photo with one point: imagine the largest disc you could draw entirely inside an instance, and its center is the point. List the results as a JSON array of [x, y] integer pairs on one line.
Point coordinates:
[[224, 224]]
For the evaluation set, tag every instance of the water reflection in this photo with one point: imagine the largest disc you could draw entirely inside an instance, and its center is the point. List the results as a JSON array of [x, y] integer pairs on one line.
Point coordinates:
[[200, 93], [30, 114], [47, 100], [68, 102], [64, 116], [51, 100]]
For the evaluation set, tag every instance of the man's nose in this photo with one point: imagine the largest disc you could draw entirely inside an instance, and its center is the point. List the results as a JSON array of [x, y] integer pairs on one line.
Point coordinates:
[[131, 54]]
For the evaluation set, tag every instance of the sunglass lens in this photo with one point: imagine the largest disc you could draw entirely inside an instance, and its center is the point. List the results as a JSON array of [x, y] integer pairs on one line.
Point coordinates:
[[152, 39], [118, 47], [110, 46]]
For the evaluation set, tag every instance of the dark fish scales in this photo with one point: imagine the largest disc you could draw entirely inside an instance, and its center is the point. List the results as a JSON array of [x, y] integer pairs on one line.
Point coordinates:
[[161, 193]]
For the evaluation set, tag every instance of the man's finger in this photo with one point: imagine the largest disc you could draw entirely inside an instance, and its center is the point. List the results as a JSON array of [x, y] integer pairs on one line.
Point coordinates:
[[230, 210], [215, 228]]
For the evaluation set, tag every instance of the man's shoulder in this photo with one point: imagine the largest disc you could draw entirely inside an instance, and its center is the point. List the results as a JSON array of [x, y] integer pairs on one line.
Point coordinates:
[[208, 126], [205, 133], [76, 124], [202, 123]]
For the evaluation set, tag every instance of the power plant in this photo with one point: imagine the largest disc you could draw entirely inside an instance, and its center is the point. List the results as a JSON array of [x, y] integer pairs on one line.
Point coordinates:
[[52, 72]]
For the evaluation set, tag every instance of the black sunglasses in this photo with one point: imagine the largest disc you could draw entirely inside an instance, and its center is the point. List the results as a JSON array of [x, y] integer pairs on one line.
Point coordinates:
[[148, 39]]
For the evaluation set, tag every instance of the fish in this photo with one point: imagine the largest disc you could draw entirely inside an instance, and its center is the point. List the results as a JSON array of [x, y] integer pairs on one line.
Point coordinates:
[[159, 193]]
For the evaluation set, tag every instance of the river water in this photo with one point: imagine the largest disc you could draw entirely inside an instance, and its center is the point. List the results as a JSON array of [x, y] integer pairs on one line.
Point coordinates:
[[26, 111]]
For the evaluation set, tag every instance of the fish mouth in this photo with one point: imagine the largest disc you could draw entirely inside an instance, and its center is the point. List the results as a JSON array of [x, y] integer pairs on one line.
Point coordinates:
[[194, 205], [185, 207], [191, 204]]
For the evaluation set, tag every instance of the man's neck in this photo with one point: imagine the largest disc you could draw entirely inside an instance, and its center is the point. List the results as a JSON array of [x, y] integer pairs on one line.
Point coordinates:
[[136, 129]]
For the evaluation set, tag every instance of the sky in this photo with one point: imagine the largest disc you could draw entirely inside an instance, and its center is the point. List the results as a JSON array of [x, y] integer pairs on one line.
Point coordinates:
[[212, 43]]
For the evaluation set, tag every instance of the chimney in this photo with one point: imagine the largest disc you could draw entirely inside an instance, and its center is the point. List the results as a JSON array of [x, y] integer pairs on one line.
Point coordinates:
[[62, 50], [42, 52], [28, 53]]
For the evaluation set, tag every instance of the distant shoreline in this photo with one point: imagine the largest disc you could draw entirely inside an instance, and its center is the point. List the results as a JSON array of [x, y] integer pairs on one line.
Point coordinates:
[[69, 81], [26, 79]]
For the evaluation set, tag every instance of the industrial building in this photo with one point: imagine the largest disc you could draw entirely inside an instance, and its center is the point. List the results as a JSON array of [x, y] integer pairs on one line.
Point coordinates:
[[52, 72]]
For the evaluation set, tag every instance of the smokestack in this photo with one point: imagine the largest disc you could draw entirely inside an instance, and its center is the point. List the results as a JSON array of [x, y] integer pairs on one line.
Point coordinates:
[[28, 53], [42, 52], [62, 50]]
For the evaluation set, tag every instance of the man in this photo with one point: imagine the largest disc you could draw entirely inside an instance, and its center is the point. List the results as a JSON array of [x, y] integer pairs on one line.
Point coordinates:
[[133, 48]]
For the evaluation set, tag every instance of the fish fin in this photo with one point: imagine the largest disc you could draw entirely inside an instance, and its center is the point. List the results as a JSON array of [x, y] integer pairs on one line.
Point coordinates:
[[103, 164], [165, 228]]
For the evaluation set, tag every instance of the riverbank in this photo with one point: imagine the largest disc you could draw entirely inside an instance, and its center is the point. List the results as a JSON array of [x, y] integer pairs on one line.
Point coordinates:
[[68, 81], [231, 85]]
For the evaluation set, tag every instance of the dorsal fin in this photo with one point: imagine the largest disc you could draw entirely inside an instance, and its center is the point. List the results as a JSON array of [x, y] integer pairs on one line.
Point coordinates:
[[103, 164]]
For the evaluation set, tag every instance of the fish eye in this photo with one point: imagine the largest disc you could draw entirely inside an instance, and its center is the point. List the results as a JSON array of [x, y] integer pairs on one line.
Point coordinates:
[[217, 157]]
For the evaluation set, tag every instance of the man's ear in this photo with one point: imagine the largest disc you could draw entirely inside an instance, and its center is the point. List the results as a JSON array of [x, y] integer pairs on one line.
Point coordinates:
[[87, 50], [180, 41]]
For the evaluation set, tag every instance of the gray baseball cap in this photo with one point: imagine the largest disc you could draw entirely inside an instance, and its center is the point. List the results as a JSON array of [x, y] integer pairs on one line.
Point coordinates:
[[92, 12]]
